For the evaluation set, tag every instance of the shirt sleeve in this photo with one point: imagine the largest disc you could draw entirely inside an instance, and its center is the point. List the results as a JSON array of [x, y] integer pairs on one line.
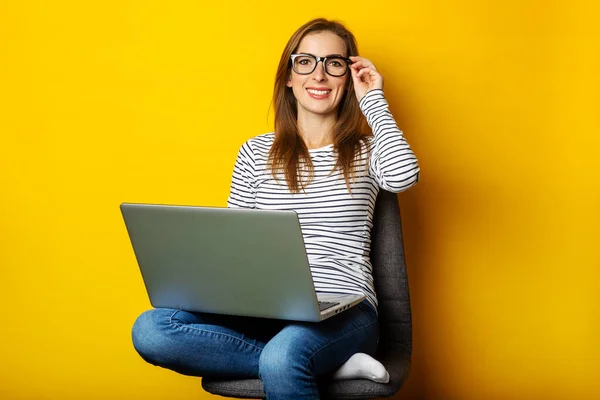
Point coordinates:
[[393, 164], [242, 193]]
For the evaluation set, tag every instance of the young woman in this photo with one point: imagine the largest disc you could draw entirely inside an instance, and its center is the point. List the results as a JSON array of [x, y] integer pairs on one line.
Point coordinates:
[[320, 163]]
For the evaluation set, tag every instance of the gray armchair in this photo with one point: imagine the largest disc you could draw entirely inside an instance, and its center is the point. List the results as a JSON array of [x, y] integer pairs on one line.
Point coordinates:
[[395, 343]]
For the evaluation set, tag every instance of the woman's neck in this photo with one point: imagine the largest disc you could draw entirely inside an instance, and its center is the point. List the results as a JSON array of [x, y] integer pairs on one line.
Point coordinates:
[[316, 130]]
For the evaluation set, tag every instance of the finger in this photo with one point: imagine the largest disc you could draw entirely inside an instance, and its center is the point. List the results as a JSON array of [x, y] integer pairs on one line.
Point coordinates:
[[360, 62], [363, 75], [365, 67], [355, 77], [369, 75], [367, 70], [358, 58]]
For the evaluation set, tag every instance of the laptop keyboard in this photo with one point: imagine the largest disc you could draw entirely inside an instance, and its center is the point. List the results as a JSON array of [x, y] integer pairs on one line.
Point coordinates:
[[324, 305]]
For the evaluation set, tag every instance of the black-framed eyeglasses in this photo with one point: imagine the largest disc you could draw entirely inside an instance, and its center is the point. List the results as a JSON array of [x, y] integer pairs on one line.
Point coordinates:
[[305, 64]]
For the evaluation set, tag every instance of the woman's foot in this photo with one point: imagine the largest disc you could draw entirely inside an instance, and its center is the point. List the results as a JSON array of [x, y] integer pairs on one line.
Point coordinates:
[[363, 366]]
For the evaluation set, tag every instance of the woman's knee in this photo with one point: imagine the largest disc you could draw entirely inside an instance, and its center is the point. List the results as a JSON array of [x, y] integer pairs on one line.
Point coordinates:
[[287, 370], [148, 333], [283, 359]]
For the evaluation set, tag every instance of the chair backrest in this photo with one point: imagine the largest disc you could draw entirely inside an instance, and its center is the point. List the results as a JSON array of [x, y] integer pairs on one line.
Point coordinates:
[[391, 282]]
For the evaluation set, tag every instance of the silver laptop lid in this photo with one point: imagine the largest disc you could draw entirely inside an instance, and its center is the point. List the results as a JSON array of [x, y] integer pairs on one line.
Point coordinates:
[[223, 260]]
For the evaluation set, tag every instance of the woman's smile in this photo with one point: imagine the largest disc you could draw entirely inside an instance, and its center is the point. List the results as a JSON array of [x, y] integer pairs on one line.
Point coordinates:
[[318, 93]]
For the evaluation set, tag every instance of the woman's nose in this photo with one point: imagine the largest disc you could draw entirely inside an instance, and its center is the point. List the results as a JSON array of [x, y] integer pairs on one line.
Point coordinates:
[[319, 72]]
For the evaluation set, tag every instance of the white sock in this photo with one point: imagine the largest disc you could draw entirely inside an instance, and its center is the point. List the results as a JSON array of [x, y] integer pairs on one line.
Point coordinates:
[[363, 366]]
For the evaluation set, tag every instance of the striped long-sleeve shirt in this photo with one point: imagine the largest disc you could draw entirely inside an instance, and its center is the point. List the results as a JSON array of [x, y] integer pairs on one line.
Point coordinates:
[[336, 225]]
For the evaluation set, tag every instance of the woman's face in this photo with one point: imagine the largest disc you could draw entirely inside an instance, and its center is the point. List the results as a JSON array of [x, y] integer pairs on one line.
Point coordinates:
[[319, 93]]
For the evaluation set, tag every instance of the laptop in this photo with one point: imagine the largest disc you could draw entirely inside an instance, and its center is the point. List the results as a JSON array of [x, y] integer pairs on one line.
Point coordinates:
[[235, 261]]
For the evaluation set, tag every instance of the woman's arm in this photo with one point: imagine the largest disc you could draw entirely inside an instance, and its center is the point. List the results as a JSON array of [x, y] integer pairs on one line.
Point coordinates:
[[393, 164], [242, 192]]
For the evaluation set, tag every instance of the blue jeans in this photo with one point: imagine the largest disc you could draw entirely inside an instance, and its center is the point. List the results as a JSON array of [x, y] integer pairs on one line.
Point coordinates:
[[288, 356]]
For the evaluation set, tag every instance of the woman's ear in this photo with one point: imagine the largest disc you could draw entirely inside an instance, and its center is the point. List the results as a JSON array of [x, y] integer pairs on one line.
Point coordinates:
[[288, 83]]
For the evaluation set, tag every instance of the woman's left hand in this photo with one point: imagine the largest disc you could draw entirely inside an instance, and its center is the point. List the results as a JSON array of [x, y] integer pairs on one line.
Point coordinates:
[[365, 76]]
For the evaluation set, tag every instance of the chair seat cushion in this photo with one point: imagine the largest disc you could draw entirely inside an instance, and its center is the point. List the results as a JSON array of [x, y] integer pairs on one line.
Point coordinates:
[[333, 389]]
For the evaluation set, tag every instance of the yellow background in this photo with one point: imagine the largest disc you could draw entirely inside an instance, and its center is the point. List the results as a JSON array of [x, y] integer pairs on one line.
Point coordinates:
[[112, 101]]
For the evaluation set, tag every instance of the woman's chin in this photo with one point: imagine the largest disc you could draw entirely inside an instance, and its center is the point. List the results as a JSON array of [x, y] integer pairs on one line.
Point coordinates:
[[322, 111]]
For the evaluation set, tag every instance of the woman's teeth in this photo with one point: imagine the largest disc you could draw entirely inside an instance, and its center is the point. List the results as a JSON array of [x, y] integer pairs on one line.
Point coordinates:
[[318, 92]]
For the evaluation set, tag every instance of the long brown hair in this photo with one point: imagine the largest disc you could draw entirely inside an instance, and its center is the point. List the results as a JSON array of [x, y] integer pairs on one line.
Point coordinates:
[[289, 153]]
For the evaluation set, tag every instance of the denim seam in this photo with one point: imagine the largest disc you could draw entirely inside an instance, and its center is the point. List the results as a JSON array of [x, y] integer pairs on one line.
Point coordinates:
[[207, 331]]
